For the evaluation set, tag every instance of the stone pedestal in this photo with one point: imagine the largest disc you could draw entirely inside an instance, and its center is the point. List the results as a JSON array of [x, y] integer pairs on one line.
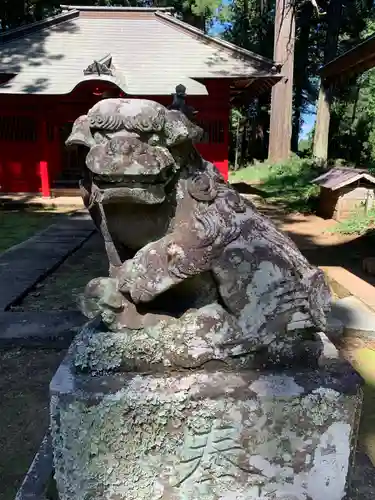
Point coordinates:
[[204, 435]]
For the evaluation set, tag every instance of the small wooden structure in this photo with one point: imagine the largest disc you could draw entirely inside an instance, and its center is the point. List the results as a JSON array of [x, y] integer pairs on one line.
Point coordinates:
[[344, 191]]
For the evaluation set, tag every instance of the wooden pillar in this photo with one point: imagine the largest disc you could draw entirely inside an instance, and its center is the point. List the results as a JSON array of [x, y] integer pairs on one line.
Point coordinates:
[[224, 167], [43, 162], [323, 117], [282, 92], [321, 135]]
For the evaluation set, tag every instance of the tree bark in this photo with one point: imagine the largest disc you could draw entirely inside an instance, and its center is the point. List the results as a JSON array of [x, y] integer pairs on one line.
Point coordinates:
[[323, 116], [300, 68], [245, 23], [282, 92]]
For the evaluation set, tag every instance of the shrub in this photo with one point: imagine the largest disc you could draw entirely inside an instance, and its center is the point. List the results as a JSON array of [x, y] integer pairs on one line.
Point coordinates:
[[287, 184], [356, 224]]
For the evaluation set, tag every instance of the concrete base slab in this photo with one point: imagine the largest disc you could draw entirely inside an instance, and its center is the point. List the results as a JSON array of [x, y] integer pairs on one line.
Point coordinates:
[[354, 314], [350, 284]]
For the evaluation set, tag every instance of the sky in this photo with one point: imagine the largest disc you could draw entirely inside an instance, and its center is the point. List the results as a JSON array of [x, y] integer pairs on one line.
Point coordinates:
[[217, 28], [308, 124]]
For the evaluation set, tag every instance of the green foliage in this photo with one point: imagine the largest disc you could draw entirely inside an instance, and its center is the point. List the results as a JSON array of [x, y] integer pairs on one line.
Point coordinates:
[[256, 173], [352, 131], [358, 223], [251, 25], [287, 184], [200, 13], [304, 146]]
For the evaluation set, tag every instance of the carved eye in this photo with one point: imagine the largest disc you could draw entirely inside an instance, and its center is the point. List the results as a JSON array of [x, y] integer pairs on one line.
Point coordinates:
[[235, 202], [202, 188]]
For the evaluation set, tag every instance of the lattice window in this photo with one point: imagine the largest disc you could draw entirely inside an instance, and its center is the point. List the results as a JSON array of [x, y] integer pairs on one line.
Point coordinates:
[[213, 131], [18, 128]]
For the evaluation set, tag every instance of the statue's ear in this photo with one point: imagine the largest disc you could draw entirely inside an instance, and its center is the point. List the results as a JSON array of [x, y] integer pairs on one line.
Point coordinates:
[[202, 187]]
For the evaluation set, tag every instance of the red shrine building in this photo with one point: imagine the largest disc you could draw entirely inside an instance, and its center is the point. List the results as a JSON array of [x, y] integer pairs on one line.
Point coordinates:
[[54, 70]]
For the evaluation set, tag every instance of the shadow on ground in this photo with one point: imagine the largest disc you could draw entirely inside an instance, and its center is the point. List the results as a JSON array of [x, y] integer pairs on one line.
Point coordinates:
[[335, 250], [245, 188], [348, 255]]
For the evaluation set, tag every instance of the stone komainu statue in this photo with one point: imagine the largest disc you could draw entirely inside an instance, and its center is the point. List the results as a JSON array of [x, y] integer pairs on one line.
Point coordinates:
[[185, 250]]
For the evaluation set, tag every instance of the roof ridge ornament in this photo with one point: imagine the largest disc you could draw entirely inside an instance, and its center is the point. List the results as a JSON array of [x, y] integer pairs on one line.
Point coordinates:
[[179, 102], [100, 67]]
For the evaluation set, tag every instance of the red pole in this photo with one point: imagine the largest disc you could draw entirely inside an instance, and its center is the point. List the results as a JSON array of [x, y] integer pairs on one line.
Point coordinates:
[[46, 192], [43, 163], [225, 163]]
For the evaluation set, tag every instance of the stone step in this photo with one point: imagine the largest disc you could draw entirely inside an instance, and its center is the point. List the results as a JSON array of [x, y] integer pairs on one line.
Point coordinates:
[[26, 264], [354, 314], [51, 329]]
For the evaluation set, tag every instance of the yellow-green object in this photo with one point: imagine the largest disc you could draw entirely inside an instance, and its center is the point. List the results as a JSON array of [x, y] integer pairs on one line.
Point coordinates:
[[364, 363]]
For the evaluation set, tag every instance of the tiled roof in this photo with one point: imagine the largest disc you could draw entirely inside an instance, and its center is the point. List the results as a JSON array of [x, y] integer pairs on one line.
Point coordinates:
[[340, 177], [151, 54]]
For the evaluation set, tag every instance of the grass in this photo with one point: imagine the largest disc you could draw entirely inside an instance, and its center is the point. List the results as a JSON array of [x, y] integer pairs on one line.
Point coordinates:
[[287, 184], [19, 225], [251, 173], [356, 224]]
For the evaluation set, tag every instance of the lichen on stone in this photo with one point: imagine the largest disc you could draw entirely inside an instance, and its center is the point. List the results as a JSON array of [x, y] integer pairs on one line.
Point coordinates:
[[185, 437]]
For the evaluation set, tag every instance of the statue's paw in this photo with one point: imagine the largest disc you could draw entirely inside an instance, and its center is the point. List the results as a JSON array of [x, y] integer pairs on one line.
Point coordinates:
[[139, 296], [137, 288], [127, 275], [102, 297], [146, 287], [147, 274]]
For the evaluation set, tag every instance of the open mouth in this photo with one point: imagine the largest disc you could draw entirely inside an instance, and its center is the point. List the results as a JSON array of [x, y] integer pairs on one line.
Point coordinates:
[[145, 181], [141, 189]]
